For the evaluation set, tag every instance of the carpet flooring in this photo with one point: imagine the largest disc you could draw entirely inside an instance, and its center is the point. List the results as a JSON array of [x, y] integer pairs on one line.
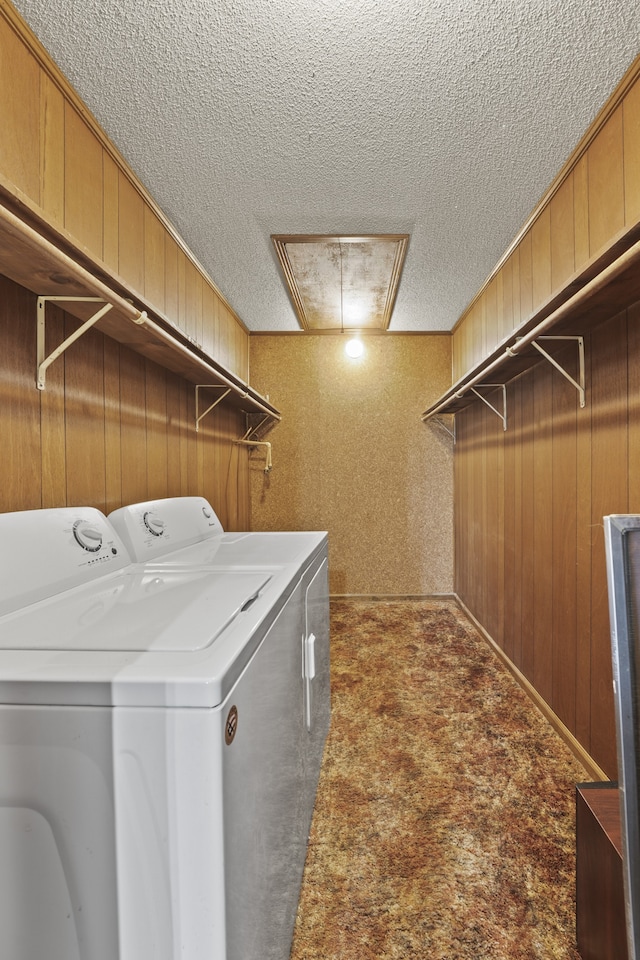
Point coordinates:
[[444, 824]]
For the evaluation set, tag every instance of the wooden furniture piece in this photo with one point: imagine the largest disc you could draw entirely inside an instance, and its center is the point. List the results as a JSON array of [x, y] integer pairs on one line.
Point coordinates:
[[600, 916]]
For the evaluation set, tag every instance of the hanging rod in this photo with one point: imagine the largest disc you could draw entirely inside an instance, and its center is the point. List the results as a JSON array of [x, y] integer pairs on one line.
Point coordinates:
[[103, 292], [627, 259], [502, 416], [208, 386], [140, 318]]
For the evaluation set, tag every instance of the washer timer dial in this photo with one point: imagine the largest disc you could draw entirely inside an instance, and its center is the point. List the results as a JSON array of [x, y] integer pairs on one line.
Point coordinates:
[[153, 523], [88, 536]]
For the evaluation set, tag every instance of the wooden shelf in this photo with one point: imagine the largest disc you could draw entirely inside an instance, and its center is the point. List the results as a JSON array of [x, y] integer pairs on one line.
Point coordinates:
[[39, 259], [610, 282]]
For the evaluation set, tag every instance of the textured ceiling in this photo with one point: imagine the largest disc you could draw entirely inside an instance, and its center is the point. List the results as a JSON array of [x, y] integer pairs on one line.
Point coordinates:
[[444, 119]]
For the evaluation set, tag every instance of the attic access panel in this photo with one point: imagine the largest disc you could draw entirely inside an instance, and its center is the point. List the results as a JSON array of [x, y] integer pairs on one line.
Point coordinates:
[[342, 282]]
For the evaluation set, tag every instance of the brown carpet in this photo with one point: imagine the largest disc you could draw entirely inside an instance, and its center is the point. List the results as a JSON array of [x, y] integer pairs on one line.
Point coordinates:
[[444, 823]]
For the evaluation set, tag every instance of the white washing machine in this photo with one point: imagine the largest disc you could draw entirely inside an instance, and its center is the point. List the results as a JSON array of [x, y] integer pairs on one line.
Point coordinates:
[[153, 750]]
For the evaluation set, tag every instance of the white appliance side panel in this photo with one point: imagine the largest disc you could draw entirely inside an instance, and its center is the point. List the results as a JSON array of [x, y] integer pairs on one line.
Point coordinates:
[[265, 822], [57, 834], [35, 907], [170, 849]]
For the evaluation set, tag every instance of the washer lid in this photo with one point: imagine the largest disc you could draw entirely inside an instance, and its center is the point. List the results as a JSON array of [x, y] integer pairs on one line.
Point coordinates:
[[138, 612]]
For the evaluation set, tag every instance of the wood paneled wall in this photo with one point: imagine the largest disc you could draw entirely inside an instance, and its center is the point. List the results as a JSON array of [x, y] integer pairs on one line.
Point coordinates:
[[56, 160], [111, 427], [530, 559], [594, 200]]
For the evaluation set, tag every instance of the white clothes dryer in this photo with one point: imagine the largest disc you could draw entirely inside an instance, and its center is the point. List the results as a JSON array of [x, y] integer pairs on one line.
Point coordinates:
[[185, 533], [152, 755]]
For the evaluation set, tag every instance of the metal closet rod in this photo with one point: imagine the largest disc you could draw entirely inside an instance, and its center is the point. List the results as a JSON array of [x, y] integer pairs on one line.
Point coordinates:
[[138, 317], [605, 276]]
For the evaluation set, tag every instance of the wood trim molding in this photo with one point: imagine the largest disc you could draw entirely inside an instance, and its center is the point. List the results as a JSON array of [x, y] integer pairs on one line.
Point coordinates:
[[39, 52], [576, 748]]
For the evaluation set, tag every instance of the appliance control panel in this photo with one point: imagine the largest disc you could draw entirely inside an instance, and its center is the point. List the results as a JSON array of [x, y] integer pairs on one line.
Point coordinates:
[[47, 551], [157, 527]]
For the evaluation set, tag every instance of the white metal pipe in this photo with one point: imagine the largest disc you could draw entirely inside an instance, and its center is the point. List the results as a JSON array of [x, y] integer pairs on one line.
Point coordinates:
[[259, 443]]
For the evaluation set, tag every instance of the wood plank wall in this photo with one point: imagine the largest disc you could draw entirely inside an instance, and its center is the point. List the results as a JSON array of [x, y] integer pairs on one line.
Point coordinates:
[[57, 162], [111, 427], [594, 200], [530, 559]]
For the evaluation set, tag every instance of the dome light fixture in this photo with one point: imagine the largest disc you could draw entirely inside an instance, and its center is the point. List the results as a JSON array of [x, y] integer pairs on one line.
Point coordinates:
[[354, 348]]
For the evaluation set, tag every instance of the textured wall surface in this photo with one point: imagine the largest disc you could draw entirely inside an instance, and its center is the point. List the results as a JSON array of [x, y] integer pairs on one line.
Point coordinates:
[[351, 456], [444, 119]]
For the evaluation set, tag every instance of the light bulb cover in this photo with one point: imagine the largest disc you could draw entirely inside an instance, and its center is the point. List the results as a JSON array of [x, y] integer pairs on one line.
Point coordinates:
[[354, 348]]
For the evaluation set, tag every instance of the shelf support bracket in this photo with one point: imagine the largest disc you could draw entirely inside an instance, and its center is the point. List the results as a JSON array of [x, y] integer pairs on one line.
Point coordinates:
[[503, 387], [43, 362], [254, 430], [208, 386], [578, 385], [439, 422]]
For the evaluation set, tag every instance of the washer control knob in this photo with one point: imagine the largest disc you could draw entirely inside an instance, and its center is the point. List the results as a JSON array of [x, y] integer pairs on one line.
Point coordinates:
[[154, 523], [89, 537]]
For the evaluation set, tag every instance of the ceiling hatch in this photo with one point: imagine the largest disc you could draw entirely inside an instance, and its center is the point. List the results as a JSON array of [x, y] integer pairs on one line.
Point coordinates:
[[342, 282]]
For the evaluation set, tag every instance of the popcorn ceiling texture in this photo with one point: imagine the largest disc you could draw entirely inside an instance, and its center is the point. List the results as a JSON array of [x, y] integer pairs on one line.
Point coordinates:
[[444, 119]]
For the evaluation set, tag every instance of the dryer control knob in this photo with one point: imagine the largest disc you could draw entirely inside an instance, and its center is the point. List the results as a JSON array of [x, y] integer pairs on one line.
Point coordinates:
[[89, 538], [154, 523]]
